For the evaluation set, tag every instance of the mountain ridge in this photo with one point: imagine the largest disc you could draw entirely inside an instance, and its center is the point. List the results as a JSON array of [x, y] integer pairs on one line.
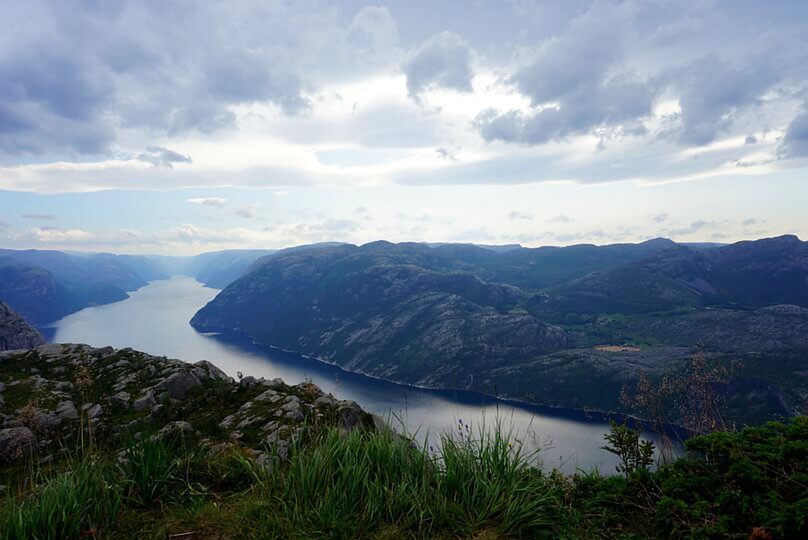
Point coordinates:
[[435, 316]]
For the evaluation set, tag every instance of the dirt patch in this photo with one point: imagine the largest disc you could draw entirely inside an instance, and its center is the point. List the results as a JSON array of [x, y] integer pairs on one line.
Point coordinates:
[[617, 348]]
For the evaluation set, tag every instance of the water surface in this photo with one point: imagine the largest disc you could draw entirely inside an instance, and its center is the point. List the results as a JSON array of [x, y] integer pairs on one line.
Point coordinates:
[[155, 320]]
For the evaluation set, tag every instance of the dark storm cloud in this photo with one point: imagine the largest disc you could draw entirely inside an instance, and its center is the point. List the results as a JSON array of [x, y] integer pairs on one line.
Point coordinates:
[[442, 61]]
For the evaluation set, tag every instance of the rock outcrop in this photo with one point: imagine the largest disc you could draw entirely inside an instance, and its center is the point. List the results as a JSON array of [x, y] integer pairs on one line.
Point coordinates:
[[15, 332], [50, 393]]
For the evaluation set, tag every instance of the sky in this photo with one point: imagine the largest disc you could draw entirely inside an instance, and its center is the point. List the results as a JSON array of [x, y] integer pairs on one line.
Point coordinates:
[[178, 127]]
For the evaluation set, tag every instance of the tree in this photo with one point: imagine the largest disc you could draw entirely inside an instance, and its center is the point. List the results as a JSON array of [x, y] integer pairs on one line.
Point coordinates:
[[625, 442]]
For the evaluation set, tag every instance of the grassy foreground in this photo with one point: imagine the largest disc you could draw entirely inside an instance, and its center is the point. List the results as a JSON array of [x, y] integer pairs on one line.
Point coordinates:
[[370, 484]]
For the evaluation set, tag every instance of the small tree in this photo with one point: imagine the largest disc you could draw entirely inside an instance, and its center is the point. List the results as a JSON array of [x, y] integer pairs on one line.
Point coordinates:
[[625, 442], [691, 395]]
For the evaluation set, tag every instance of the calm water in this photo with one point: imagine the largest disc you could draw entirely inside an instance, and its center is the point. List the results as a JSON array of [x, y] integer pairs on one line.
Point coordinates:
[[155, 320]]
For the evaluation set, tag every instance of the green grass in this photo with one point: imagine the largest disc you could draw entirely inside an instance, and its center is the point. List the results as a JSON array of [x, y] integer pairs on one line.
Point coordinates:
[[148, 470], [376, 484], [351, 486], [73, 504]]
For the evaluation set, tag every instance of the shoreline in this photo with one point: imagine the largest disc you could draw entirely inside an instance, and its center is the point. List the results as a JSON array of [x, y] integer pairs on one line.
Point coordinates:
[[587, 415]]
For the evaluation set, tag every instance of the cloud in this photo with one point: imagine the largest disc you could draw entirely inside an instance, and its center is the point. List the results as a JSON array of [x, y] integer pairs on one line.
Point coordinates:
[[331, 226], [159, 156], [40, 217], [795, 141], [713, 92], [515, 215], [576, 82], [661, 218], [748, 222], [52, 234], [374, 34], [4, 224], [750, 139], [560, 218], [696, 226], [216, 202], [74, 76], [445, 153], [247, 212], [442, 61]]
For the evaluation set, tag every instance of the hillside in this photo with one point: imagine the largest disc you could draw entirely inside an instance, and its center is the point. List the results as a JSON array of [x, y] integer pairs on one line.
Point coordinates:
[[119, 444], [435, 316], [44, 286], [745, 275], [15, 332], [374, 310]]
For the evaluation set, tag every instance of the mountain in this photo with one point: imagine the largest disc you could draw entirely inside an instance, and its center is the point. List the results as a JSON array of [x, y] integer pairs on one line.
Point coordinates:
[[218, 269], [15, 333], [416, 313], [528, 323], [744, 275], [44, 286], [371, 309]]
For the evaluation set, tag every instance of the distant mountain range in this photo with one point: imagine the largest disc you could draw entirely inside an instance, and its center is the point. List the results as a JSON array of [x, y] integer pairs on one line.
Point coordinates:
[[525, 323], [46, 285]]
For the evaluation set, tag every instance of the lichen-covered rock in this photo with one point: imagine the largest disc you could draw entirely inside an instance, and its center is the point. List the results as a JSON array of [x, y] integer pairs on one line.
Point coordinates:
[[80, 391], [178, 384], [146, 401], [15, 443]]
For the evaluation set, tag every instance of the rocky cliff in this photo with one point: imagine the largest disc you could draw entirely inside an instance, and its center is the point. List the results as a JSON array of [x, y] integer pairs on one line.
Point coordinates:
[[54, 394], [15, 333]]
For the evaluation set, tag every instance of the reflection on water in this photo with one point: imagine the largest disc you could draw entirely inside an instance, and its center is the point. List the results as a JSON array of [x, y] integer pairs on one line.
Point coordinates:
[[155, 320]]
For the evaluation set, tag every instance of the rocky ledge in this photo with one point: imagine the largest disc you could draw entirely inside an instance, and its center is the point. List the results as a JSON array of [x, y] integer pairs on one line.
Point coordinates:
[[54, 396], [15, 332]]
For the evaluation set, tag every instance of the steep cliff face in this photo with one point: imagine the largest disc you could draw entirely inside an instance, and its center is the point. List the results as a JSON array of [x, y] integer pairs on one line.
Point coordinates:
[[15, 333]]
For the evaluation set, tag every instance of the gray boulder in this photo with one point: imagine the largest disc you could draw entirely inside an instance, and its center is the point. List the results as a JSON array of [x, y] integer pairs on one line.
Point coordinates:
[[121, 399], [66, 411], [146, 401], [178, 384], [16, 442]]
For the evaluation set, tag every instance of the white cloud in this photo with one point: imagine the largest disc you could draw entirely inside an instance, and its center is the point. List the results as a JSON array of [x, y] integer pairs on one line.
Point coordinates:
[[216, 202], [515, 215]]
